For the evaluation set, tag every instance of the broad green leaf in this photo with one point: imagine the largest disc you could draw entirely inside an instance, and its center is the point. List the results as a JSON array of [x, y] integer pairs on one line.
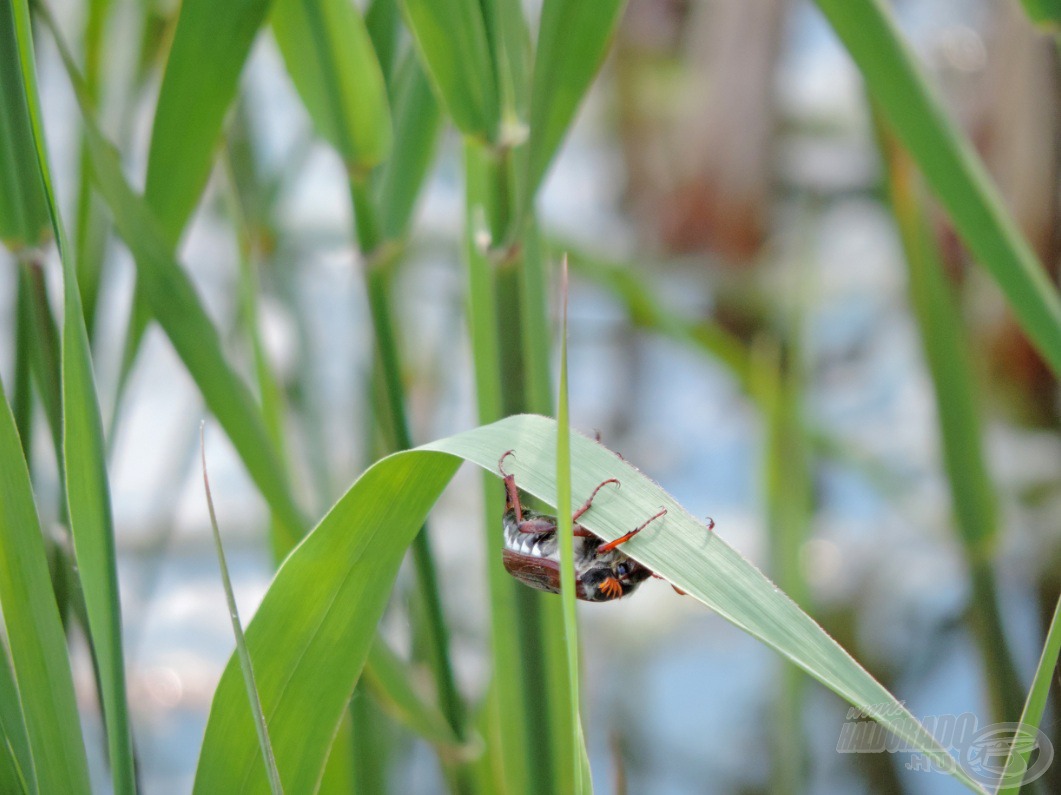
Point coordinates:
[[316, 623], [34, 631], [210, 46], [323, 608], [24, 220], [572, 43], [951, 168], [452, 40], [84, 471], [329, 55]]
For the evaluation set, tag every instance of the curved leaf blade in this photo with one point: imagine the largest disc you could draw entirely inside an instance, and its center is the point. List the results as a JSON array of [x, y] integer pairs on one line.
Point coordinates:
[[308, 650], [317, 621]]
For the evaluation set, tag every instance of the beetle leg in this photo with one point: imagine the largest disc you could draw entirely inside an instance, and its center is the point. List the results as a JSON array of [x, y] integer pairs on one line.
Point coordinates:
[[624, 538], [611, 588], [511, 493], [589, 502]]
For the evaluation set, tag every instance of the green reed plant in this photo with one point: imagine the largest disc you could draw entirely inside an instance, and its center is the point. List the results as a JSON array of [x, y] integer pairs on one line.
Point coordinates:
[[512, 94]]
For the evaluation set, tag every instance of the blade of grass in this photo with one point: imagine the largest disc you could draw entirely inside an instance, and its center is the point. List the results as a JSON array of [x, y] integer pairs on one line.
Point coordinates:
[[417, 124], [85, 474], [329, 55], [316, 624], [574, 775], [950, 365], [181, 314], [34, 630], [24, 220], [572, 42], [951, 168], [246, 668], [210, 46], [342, 576], [451, 38], [1032, 714]]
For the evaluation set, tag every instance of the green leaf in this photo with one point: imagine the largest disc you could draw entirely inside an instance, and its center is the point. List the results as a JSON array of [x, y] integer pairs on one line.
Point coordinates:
[[417, 124], [579, 771], [572, 43], [322, 609], [330, 58], [451, 38], [951, 168], [177, 307], [315, 626], [24, 220], [34, 631], [210, 46], [179, 311], [85, 474]]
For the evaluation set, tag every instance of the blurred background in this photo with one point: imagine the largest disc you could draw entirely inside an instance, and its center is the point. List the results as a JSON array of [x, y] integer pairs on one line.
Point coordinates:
[[742, 330]]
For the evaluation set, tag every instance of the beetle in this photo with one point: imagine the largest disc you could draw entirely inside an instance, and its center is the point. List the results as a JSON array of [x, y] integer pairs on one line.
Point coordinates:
[[532, 554]]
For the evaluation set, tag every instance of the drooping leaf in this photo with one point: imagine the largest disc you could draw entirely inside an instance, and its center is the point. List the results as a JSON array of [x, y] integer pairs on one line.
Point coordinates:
[[314, 628]]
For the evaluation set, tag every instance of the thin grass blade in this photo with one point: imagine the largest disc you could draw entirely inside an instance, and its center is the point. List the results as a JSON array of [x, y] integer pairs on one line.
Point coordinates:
[[949, 360], [85, 475], [246, 668], [1031, 717], [575, 775], [950, 166], [179, 311]]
